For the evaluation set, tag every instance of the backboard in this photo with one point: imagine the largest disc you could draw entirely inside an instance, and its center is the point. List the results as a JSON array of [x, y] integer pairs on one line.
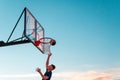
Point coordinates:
[[33, 29], [32, 32]]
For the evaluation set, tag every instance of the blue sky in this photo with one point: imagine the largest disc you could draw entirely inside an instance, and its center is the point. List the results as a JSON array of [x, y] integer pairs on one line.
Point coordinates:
[[87, 34]]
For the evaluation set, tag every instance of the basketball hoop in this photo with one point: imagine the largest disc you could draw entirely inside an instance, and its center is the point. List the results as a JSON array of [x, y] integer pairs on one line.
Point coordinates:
[[46, 42]]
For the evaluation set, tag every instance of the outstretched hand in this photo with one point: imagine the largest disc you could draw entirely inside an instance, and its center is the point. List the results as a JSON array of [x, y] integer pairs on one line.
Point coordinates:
[[50, 54], [38, 69]]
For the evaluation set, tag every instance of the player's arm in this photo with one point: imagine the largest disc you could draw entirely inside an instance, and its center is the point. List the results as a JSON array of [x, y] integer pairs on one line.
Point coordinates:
[[48, 58], [41, 74]]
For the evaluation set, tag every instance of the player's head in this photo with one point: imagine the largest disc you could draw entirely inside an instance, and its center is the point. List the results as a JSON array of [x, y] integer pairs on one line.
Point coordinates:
[[52, 42], [51, 67]]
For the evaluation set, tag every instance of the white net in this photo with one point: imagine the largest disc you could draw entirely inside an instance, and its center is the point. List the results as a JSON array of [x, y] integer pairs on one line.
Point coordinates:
[[46, 45], [47, 49]]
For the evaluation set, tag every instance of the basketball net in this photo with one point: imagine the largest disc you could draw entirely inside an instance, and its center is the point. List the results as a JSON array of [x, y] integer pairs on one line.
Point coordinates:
[[45, 43], [46, 48]]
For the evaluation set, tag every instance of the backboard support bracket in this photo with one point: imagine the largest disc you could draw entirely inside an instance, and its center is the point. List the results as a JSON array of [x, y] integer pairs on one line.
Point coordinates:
[[32, 31], [2, 43], [21, 40]]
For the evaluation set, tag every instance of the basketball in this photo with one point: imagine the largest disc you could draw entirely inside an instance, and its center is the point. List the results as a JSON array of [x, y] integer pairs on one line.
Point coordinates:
[[52, 42]]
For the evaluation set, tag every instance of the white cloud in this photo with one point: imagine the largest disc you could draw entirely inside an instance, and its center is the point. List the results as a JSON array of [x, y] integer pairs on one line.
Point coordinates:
[[110, 74], [103, 78], [18, 75]]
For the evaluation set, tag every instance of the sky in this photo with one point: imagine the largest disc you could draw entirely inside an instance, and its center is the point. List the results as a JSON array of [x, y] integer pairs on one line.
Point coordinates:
[[87, 34]]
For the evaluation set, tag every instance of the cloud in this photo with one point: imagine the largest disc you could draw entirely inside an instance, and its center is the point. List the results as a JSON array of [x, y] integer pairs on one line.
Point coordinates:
[[18, 75], [74, 75], [104, 77], [109, 74], [89, 75]]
